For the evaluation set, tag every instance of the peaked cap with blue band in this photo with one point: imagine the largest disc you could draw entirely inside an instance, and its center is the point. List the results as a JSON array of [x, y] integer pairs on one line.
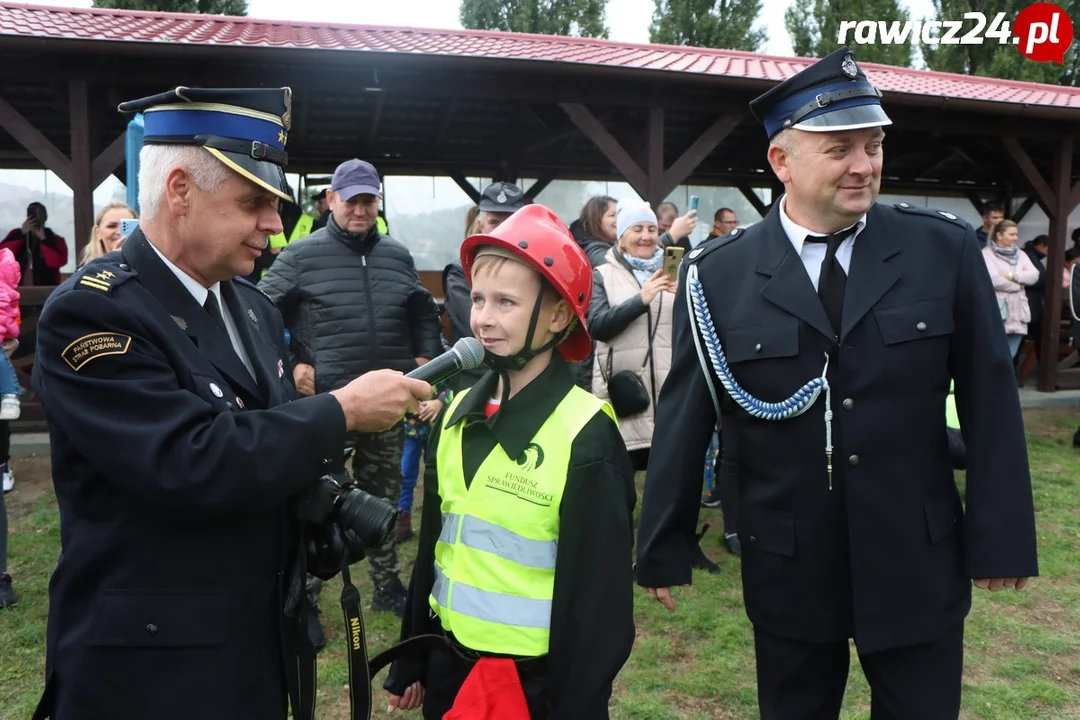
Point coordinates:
[[832, 94], [246, 129]]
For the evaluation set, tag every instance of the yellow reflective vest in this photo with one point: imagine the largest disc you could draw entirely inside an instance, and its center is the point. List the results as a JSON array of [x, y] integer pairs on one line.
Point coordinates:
[[952, 419], [302, 229], [495, 557]]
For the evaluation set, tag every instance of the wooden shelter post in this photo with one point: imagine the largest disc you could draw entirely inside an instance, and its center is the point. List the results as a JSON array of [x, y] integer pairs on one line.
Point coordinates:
[[1055, 263], [81, 165], [653, 183], [1057, 199]]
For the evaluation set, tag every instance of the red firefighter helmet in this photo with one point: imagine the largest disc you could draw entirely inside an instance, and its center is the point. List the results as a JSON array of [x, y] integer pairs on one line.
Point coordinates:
[[539, 237]]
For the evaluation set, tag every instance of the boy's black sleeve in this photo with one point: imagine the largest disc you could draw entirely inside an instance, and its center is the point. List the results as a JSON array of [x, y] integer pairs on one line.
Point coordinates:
[[418, 620], [592, 614]]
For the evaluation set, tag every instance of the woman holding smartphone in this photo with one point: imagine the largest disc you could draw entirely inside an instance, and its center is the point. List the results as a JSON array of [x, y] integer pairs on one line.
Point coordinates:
[[108, 232], [630, 320]]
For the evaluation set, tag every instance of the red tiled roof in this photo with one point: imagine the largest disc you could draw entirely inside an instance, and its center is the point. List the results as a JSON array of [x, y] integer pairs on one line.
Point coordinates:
[[146, 27]]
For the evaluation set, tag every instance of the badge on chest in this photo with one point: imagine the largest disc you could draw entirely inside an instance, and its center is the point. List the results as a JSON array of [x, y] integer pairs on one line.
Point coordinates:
[[523, 479]]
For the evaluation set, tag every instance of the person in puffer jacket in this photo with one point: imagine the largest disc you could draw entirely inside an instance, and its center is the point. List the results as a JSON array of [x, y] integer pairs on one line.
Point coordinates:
[[10, 274]]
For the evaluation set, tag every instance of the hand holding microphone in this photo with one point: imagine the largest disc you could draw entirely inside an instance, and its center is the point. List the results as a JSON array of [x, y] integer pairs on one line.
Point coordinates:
[[376, 401]]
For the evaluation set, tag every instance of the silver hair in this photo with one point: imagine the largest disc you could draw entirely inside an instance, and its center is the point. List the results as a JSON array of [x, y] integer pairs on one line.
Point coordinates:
[[787, 141], [157, 161]]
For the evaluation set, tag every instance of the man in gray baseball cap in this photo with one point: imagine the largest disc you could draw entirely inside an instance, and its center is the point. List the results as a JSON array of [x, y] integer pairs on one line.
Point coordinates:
[[356, 177], [352, 300]]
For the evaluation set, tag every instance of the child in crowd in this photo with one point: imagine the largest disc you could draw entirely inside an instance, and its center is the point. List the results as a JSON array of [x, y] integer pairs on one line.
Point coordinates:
[[524, 567], [10, 275]]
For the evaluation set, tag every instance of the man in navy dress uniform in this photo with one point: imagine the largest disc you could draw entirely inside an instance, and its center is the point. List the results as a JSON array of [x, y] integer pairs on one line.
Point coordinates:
[[177, 442], [826, 336]]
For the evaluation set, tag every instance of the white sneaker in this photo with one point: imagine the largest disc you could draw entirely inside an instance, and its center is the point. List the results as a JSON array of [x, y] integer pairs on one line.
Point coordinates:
[[9, 407], [9, 480]]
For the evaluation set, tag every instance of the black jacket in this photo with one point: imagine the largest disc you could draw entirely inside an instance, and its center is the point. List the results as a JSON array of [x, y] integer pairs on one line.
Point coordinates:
[[592, 619], [172, 468], [1036, 294], [321, 221], [887, 555], [595, 249], [352, 304]]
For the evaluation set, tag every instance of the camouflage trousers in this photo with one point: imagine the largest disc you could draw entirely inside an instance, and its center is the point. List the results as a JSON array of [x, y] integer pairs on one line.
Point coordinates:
[[376, 465]]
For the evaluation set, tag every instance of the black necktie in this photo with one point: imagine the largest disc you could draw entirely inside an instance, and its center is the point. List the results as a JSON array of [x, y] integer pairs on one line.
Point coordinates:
[[833, 280], [211, 306]]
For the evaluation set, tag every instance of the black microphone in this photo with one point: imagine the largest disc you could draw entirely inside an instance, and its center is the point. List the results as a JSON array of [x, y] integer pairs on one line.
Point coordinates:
[[467, 354]]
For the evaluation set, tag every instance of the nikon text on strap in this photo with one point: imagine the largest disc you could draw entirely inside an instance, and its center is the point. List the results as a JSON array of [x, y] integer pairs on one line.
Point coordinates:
[[359, 673]]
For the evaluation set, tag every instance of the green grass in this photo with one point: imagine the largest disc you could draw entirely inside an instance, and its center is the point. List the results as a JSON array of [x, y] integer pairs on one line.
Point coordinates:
[[1023, 649]]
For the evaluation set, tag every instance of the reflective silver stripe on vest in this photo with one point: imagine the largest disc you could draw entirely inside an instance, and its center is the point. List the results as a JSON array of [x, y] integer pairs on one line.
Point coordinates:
[[489, 537], [483, 535], [492, 606], [440, 587], [449, 528]]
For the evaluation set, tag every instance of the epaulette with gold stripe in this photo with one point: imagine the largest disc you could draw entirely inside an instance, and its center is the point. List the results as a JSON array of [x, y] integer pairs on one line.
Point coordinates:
[[103, 279]]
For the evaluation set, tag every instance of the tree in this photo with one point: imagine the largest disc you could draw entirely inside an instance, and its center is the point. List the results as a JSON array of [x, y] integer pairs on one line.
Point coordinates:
[[581, 18], [206, 7], [814, 27], [992, 58], [723, 24]]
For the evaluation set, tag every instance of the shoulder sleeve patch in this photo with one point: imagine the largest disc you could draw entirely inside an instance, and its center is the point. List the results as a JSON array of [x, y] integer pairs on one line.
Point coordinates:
[[95, 345]]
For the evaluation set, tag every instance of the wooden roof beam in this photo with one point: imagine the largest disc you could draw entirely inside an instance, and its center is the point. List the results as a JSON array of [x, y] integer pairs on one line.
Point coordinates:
[[12, 121], [463, 182], [1019, 157], [616, 154], [1025, 207], [538, 187], [699, 150], [108, 160], [751, 197]]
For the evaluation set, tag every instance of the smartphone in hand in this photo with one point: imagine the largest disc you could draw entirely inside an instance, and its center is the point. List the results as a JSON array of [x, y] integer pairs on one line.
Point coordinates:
[[673, 256]]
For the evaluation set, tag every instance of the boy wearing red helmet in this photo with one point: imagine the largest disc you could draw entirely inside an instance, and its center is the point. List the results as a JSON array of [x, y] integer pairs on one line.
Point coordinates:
[[523, 580]]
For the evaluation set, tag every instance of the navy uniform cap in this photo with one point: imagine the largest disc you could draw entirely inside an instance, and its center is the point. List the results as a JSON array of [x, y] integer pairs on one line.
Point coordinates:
[[832, 94], [502, 197], [246, 129]]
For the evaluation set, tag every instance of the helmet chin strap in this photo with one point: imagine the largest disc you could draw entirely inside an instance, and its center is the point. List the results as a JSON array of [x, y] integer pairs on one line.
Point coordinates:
[[503, 364]]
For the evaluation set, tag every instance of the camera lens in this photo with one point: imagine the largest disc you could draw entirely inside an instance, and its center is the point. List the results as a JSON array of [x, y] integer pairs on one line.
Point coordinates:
[[371, 518]]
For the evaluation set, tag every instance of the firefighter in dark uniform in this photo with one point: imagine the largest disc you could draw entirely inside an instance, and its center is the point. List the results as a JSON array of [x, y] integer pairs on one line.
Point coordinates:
[[826, 337], [177, 445]]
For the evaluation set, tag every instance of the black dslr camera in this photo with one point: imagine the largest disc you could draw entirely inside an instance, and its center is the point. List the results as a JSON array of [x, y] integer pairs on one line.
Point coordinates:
[[336, 500]]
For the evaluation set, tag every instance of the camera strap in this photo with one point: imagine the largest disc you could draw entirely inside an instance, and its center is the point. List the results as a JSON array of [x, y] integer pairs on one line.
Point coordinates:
[[359, 675]]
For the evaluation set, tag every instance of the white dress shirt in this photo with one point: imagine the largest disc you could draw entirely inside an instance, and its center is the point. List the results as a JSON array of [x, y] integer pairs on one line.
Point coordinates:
[[813, 254], [200, 294]]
